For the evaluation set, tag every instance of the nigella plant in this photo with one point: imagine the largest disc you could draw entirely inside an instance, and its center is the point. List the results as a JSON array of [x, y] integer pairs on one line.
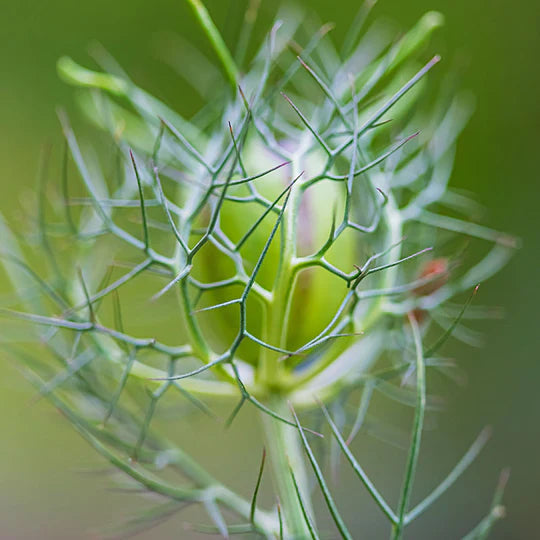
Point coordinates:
[[294, 248]]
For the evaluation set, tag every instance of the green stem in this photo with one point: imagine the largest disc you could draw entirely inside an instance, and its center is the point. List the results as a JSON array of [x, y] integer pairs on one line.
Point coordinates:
[[271, 368], [284, 448]]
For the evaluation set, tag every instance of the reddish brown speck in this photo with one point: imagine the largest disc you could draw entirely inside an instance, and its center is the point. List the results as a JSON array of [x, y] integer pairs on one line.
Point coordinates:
[[437, 270]]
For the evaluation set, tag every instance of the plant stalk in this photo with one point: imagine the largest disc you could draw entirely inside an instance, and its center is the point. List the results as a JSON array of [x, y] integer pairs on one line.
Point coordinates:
[[275, 332], [284, 449]]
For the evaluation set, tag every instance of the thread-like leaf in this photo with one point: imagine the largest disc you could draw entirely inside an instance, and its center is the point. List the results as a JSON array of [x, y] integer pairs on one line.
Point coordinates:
[[359, 470], [141, 200], [322, 483], [496, 512], [442, 340], [418, 424], [302, 504], [213, 35], [455, 473], [256, 490]]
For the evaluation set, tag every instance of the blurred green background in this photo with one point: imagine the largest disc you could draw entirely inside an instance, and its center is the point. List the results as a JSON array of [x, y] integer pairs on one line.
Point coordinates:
[[494, 47]]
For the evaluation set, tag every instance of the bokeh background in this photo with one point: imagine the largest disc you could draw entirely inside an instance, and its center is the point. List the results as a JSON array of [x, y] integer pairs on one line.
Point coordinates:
[[50, 482]]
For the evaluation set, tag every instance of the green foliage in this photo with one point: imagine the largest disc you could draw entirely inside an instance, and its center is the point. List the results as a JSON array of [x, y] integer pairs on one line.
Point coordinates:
[[289, 223]]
